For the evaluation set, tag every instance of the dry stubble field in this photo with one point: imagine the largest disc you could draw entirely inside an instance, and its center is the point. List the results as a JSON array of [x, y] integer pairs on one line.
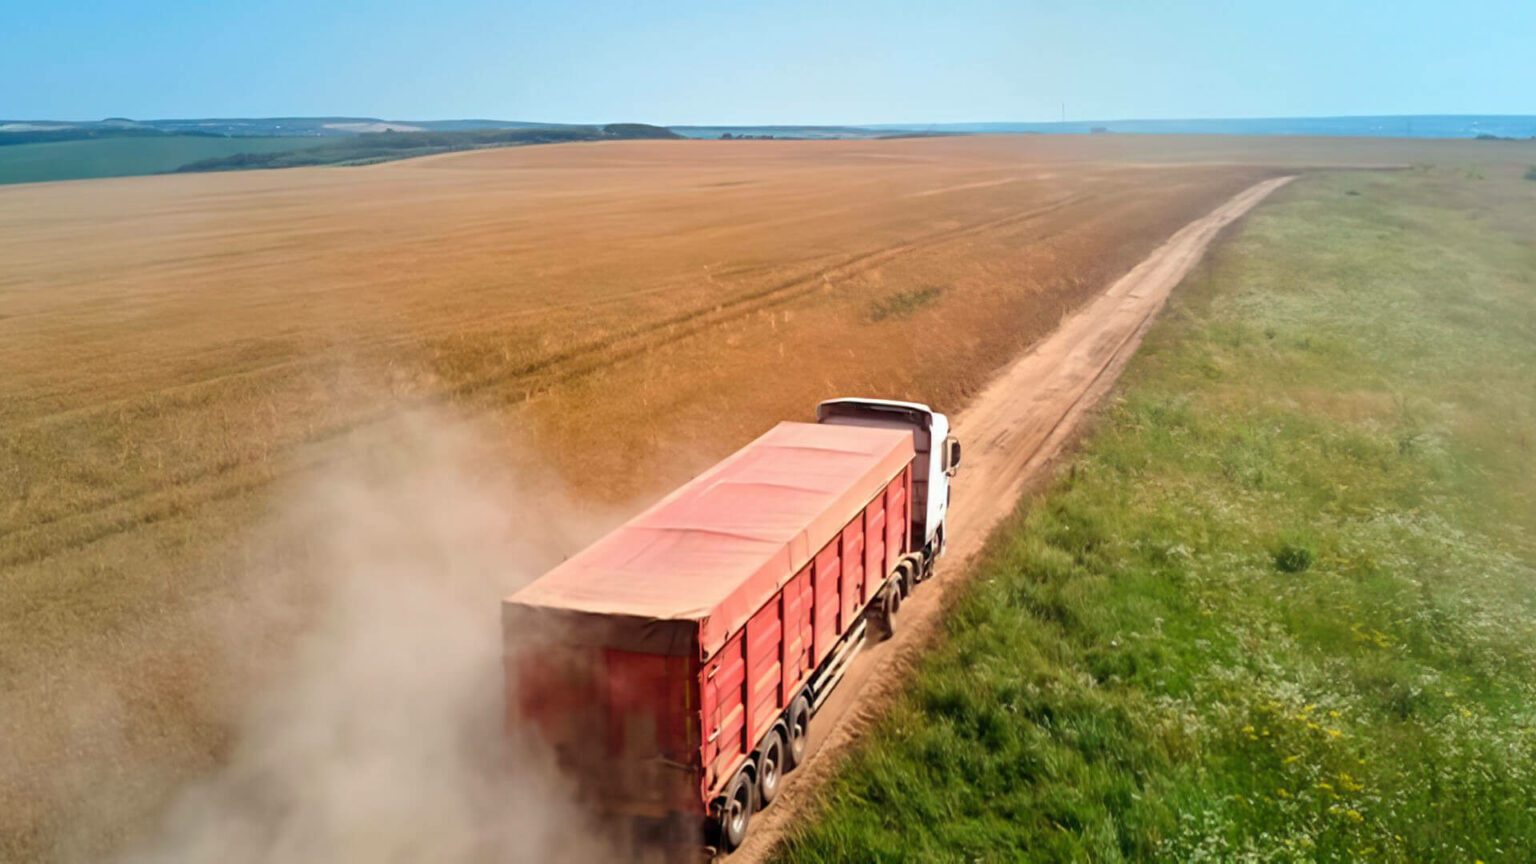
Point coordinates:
[[172, 348]]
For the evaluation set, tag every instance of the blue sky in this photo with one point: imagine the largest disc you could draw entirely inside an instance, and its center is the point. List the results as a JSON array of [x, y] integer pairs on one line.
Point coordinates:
[[731, 61]]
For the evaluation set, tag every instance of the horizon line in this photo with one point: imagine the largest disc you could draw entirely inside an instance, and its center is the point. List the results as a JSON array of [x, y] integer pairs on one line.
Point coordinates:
[[869, 125]]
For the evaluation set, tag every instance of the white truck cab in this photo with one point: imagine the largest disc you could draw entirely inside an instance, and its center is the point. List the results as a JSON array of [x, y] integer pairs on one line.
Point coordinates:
[[938, 457]]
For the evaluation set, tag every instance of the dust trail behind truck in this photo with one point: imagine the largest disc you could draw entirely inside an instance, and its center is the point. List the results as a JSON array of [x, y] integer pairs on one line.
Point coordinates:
[[676, 664]]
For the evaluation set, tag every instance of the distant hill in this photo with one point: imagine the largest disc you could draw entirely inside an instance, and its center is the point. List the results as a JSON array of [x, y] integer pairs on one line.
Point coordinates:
[[791, 132], [124, 156], [344, 127], [36, 151], [373, 147], [318, 127], [27, 133]]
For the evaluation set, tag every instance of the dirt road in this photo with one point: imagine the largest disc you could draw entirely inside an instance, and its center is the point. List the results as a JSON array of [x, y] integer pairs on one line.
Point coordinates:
[[1011, 431]]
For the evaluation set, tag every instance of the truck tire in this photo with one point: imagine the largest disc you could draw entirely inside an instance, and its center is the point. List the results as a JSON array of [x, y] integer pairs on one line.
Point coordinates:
[[770, 768], [735, 813], [883, 617], [798, 724], [920, 569]]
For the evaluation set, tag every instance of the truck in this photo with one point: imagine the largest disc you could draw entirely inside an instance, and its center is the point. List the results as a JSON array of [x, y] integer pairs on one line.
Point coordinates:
[[674, 667]]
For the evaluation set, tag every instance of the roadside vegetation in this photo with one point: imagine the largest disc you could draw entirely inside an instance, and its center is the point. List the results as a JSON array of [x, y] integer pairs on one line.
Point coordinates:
[[1281, 606]]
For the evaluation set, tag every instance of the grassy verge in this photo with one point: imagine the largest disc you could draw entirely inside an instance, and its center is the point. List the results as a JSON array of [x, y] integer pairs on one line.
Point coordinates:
[[1284, 606]]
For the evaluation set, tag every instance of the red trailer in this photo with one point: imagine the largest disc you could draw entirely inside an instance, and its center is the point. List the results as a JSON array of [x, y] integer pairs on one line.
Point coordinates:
[[674, 665]]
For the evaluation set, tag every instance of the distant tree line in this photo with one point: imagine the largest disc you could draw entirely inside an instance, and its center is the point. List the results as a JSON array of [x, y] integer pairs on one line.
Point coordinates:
[[385, 146], [83, 133]]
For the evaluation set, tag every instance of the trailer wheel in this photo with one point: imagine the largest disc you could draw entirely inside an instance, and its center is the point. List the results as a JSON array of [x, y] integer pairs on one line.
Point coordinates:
[[770, 768], [735, 812], [884, 618], [799, 727]]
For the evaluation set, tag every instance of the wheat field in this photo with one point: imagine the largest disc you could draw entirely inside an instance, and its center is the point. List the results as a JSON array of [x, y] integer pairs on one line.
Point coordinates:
[[173, 349]]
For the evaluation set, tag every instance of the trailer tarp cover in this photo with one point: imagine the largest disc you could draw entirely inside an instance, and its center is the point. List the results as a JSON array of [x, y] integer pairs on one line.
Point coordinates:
[[714, 551]]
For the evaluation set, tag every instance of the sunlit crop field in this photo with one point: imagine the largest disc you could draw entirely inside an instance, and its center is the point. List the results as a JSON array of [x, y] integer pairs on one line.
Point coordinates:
[[620, 314]]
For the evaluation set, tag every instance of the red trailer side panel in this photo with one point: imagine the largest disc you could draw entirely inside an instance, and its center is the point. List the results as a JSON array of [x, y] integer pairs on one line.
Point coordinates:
[[898, 522], [826, 601], [765, 674], [853, 572], [797, 631], [771, 639], [874, 546]]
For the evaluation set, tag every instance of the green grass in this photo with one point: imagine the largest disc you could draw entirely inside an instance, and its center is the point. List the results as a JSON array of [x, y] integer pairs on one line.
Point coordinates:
[[121, 157], [904, 303], [1283, 607]]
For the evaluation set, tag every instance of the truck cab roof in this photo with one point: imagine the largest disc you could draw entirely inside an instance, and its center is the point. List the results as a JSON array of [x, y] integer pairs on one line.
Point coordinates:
[[908, 408]]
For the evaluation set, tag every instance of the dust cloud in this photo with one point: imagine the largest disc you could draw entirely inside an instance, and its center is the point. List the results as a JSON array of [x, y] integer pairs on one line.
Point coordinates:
[[379, 736]]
